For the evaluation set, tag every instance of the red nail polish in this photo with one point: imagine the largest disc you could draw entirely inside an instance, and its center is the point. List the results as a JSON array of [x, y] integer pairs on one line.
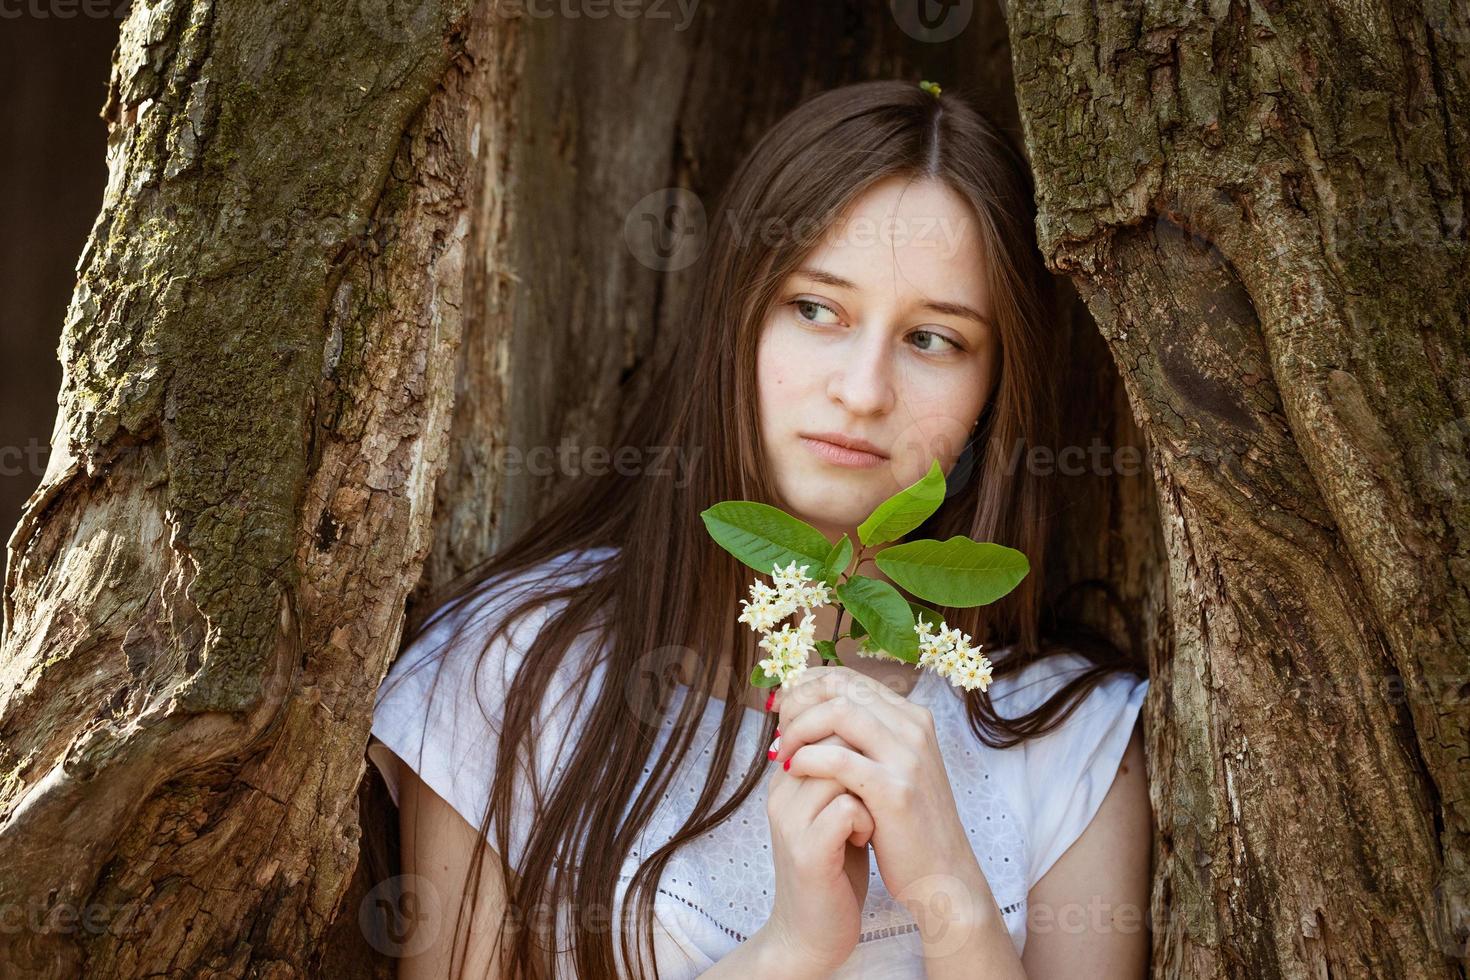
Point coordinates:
[[769, 698], [786, 765], [771, 754], [778, 733]]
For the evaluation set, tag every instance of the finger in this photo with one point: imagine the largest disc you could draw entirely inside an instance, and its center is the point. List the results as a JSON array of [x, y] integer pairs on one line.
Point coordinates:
[[824, 684], [858, 775], [806, 677], [862, 831], [839, 820], [819, 790], [800, 800], [873, 730]]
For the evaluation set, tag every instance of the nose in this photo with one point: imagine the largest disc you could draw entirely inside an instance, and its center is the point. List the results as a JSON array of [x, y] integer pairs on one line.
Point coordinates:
[[861, 376]]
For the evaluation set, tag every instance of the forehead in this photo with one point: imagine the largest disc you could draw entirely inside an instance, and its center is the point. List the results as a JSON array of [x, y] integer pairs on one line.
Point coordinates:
[[906, 239]]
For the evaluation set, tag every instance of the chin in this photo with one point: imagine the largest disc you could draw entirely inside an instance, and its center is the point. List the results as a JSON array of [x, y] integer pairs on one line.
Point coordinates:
[[817, 509]]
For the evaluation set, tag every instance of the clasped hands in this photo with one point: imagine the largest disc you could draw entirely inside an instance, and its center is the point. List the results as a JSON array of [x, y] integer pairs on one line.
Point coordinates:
[[886, 753]]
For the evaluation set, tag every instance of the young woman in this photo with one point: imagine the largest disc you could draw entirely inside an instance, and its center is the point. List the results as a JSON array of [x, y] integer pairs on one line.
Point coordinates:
[[579, 760]]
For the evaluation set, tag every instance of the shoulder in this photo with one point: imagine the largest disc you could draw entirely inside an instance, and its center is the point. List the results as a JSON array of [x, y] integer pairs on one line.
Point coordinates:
[[457, 632], [1022, 692], [440, 708], [1070, 769]]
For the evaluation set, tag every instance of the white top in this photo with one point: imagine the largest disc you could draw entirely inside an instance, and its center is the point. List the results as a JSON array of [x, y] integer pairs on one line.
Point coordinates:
[[1022, 806]]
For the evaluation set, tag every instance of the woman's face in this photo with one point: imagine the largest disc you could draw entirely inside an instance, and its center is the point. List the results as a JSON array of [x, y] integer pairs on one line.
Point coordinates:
[[882, 334]]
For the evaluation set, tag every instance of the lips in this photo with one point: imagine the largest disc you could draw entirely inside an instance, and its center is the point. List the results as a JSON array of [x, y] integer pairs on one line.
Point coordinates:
[[843, 456], [846, 442]]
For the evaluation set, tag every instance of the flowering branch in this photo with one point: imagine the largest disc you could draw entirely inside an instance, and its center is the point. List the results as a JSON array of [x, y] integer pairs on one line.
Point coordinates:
[[956, 572]]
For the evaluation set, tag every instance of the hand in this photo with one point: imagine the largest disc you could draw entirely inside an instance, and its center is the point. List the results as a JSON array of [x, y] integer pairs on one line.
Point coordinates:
[[892, 763], [819, 846]]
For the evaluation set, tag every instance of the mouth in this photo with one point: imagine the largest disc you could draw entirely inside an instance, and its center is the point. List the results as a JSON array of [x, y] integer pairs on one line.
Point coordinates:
[[840, 450]]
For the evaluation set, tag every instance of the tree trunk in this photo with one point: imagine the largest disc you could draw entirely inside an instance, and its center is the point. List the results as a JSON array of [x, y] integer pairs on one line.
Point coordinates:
[[1263, 205], [202, 594]]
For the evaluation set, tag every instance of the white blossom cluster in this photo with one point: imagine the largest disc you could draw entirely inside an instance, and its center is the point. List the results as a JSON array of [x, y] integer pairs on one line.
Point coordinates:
[[947, 652], [789, 647]]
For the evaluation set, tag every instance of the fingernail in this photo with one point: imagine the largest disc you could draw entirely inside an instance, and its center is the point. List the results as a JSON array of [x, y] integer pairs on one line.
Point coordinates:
[[775, 745], [778, 733], [786, 765], [769, 698]]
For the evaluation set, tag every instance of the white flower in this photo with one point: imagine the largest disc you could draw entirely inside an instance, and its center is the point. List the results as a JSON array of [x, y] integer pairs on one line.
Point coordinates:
[[789, 649], [950, 654], [945, 650], [795, 587], [766, 607]]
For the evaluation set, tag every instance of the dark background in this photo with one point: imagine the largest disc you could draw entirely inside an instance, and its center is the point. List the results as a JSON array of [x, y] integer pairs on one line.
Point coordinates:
[[55, 59]]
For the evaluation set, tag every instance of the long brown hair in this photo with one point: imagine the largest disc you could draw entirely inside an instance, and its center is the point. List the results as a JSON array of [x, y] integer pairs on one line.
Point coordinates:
[[667, 586]]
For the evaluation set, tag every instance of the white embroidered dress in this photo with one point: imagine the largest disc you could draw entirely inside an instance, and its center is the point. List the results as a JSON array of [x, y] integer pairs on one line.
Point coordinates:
[[1022, 806]]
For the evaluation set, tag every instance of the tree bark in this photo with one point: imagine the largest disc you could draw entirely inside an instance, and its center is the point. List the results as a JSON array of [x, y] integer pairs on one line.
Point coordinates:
[[1263, 205], [202, 594]]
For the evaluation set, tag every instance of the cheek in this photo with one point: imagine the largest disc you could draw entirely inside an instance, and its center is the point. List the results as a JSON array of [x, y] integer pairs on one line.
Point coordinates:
[[778, 359], [939, 410]]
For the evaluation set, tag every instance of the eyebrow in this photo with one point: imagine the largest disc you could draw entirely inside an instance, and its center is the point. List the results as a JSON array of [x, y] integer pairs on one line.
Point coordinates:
[[937, 306]]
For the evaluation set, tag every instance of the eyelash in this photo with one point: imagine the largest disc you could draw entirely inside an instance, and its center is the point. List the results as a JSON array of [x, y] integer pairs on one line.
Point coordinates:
[[953, 345]]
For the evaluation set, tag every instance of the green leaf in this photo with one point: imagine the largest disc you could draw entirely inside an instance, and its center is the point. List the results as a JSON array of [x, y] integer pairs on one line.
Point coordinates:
[[930, 616], [759, 677], [827, 649], [884, 614], [837, 560], [872, 647], [957, 572], [763, 536], [905, 510], [857, 630]]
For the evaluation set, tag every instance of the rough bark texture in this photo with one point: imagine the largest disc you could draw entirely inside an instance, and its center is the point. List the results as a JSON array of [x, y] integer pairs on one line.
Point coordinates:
[[1264, 206], [203, 592]]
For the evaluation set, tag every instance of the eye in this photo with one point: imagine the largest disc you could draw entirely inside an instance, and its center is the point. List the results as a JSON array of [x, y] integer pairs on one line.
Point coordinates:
[[936, 336], [804, 304]]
